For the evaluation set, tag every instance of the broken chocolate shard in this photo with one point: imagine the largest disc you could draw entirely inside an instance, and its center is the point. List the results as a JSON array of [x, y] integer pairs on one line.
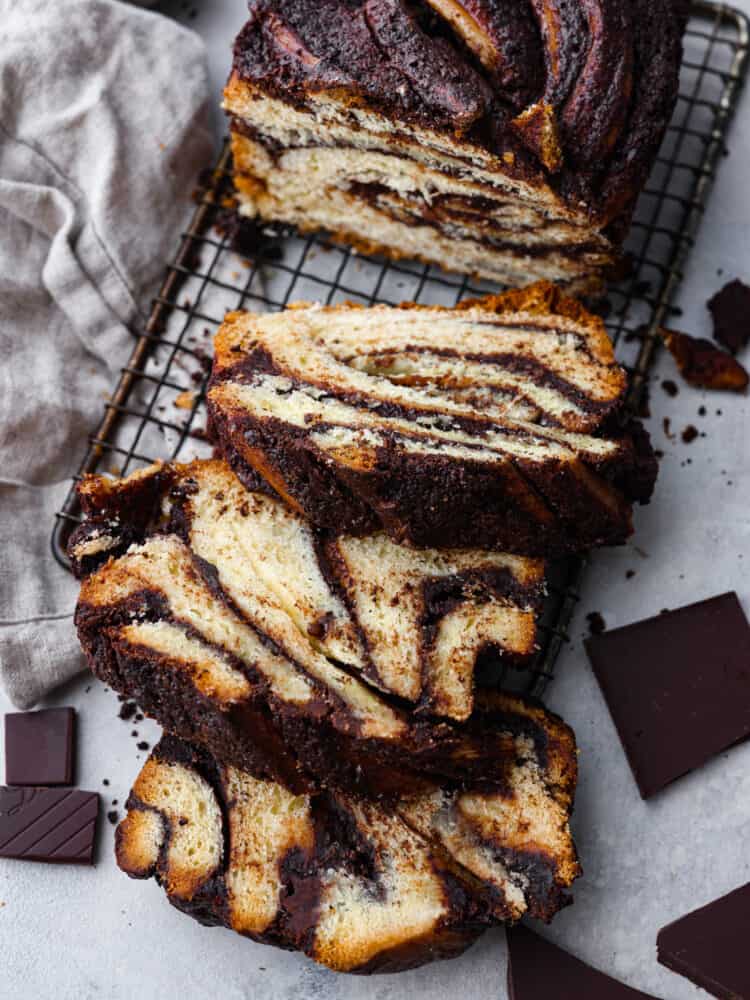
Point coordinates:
[[709, 946], [730, 311], [54, 825], [677, 686], [703, 365], [39, 747], [538, 969]]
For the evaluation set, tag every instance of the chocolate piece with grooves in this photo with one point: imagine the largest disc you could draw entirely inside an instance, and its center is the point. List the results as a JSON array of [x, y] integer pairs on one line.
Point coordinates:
[[55, 825]]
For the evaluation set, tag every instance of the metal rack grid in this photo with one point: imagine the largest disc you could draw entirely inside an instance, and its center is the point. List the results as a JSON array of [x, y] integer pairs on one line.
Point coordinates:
[[157, 409]]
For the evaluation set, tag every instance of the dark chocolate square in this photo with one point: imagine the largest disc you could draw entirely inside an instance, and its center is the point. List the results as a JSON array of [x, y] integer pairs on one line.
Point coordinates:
[[56, 825], [39, 747], [677, 686], [710, 946], [539, 970]]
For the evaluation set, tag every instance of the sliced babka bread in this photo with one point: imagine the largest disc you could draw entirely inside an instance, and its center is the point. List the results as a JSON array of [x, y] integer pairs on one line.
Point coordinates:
[[233, 624], [508, 139], [358, 886], [494, 424]]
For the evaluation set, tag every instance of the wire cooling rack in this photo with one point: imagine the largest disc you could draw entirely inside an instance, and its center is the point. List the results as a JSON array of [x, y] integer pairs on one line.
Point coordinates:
[[158, 407]]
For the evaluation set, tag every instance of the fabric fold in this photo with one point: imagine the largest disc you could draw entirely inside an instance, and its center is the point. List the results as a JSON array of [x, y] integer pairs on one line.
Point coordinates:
[[103, 130]]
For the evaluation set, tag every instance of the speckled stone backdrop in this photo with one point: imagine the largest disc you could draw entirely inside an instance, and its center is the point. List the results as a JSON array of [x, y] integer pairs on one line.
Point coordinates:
[[77, 933]]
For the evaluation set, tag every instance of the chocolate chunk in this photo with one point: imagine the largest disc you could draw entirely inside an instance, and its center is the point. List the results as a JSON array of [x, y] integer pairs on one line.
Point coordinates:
[[597, 625], [48, 824], [703, 365], [689, 434], [730, 310], [677, 686], [538, 969], [709, 946], [127, 710], [39, 747], [670, 387]]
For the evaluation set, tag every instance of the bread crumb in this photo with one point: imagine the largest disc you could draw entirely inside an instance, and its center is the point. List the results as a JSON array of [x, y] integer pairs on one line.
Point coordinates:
[[185, 400]]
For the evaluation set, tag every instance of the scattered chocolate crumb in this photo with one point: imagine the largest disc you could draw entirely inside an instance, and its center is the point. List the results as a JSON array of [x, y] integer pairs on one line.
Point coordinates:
[[703, 365], [203, 358], [134, 733], [637, 334], [701, 411], [689, 434], [247, 237], [106, 781], [670, 387], [730, 311], [113, 816], [114, 802], [127, 710], [629, 574], [718, 413], [183, 821], [138, 717], [143, 745], [597, 625]]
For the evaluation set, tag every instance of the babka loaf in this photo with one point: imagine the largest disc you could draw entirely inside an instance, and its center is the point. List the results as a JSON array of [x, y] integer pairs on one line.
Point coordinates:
[[356, 885], [234, 625], [508, 139], [494, 424]]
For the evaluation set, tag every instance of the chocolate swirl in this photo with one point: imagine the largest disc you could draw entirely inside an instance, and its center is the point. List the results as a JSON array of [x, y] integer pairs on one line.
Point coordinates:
[[577, 92]]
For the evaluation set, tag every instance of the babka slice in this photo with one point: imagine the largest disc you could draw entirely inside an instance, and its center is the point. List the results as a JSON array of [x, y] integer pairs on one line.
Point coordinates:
[[494, 424], [358, 886], [507, 139], [233, 624]]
